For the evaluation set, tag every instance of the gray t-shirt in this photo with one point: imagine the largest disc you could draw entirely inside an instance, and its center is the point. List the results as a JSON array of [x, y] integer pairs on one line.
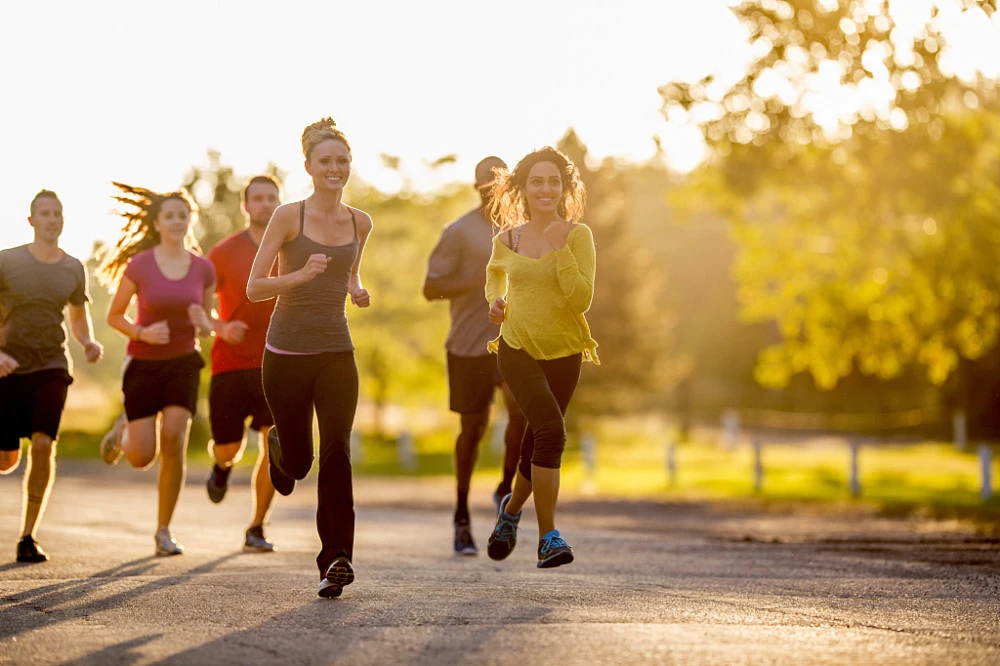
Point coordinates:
[[33, 295], [463, 252]]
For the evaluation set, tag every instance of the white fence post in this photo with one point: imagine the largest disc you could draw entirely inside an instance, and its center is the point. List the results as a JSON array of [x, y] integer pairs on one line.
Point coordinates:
[[731, 428], [986, 471], [855, 479], [357, 447], [958, 430], [405, 453], [758, 466], [497, 444], [671, 462]]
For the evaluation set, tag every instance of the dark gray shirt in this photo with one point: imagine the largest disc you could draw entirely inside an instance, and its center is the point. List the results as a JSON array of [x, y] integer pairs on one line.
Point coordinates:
[[463, 252], [33, 295], [311, 318]]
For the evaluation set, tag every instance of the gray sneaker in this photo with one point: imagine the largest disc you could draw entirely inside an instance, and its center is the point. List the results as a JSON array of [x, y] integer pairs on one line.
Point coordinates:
[[165, 544], [255, 541], [111, 445]]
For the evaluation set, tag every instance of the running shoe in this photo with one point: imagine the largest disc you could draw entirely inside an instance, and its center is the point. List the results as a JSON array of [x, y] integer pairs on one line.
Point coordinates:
[[553, 551], [282, 483], [338, 576], [255, 541], [111, 445], [165, 544], [504, 537], [28, 550], [464, 543], [218, 483]]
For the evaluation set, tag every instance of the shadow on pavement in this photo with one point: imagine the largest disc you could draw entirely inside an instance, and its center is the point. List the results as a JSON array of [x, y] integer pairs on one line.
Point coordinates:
[[41, 607], [122, 653], [339, 631]]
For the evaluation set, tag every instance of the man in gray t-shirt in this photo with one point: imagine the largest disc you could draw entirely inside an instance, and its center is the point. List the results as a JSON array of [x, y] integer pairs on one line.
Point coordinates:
[[37, 282], [457, 271]]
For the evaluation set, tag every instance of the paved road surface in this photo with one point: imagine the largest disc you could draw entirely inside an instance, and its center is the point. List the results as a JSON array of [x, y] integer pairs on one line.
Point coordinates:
[[653, 584]]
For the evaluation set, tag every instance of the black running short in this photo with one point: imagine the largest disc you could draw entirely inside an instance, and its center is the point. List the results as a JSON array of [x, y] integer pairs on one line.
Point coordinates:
[[471, 382], [31, 402], [232, 397], [151, 385]]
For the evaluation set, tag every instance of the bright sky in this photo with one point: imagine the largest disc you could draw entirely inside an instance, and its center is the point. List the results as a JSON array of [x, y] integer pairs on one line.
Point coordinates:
[[137, 91]]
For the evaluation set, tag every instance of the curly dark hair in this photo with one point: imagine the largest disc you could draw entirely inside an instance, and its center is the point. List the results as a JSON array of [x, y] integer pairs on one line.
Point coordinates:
[[509, 209]]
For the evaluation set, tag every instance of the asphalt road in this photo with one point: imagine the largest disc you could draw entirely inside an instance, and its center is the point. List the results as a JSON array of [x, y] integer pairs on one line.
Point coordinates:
[[674, 583]]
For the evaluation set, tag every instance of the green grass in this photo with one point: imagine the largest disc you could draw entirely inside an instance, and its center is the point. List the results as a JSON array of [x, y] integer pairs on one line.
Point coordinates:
[[926, 478]]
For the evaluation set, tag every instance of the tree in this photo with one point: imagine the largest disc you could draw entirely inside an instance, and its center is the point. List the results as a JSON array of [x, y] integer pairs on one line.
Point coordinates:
[[869, 238]]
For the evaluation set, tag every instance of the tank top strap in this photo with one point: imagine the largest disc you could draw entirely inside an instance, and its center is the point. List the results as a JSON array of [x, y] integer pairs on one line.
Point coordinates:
[[302, 217], [353, 222]]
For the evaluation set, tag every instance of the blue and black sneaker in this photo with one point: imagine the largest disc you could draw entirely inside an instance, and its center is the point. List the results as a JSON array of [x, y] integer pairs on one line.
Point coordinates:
[[553, 551], [501, 543]]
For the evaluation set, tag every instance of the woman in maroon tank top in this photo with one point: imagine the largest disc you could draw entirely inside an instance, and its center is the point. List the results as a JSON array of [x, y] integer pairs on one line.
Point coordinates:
[[157, 262], [309, 357]]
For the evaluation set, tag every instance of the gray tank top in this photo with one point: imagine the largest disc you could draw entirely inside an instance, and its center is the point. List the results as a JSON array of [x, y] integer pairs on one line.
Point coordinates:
[[312, 317]]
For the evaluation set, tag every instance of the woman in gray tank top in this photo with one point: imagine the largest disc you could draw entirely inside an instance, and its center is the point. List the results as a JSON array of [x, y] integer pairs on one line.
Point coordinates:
[[309, 356]]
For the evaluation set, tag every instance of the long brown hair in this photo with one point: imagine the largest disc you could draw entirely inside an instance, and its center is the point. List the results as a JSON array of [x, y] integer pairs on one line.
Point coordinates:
[[142, 207], [509, 209]]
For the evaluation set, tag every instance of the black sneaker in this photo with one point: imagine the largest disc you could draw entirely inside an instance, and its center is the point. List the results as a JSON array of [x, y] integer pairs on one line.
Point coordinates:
[[464, 543], [218, 483], [504, 537], [553, 551], [338, 576], [28, 550], [282, 483]]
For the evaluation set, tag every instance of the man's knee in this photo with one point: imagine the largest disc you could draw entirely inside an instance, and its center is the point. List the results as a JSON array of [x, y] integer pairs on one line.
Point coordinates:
[[42, 446], [474, 426]]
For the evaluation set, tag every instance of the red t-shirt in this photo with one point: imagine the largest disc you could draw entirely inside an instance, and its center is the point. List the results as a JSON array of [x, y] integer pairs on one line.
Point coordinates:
[[160, 298], [233, 258]]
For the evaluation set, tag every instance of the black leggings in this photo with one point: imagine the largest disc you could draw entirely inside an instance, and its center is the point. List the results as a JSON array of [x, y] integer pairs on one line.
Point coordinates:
[[543, 390], [293, 385]]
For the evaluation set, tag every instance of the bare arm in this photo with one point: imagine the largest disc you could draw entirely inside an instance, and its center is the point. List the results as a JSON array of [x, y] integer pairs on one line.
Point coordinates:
[[359, 295], [154, 334], [442, 280], [282, 228], [82, 328]]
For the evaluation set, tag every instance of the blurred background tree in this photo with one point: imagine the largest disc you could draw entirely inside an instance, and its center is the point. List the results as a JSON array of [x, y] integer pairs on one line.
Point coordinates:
[[866, 213]]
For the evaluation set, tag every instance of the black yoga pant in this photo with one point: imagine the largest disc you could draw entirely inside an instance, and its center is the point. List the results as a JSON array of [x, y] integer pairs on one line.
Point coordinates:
[[543, 390], [293, 386]]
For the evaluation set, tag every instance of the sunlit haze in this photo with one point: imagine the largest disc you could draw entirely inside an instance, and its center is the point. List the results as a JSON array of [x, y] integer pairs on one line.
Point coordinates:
[[138, 91]]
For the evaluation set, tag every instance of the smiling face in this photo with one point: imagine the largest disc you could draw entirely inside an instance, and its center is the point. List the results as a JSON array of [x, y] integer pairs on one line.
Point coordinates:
[[543, 189], [329, 164], [173, 221], [47, 220]]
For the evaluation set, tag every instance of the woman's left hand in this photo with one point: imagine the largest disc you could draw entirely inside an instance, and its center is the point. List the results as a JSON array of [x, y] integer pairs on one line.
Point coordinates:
[[556, 233], [360, 297]]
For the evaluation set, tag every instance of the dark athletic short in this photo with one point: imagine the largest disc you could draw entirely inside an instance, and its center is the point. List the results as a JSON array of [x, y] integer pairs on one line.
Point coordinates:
[[232, 397], [151, 385], [30, 403], [471, 381]]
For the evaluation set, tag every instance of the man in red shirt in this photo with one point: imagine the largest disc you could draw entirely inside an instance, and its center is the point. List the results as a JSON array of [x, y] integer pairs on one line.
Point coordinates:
[[236, 391]]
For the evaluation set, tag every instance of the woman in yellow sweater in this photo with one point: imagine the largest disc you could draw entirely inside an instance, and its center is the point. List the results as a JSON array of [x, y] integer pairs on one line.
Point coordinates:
[[539, 282]]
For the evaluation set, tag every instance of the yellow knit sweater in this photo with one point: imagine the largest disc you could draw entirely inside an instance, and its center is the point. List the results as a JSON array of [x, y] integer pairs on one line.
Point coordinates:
[[546, 297]]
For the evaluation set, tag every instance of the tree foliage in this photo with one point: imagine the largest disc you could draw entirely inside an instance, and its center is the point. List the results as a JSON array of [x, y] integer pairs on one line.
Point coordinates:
[[870, 237]]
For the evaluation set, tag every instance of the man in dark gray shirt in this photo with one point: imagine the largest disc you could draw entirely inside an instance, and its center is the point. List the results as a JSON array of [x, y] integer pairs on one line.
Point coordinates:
[[457, 271], [37, 282]]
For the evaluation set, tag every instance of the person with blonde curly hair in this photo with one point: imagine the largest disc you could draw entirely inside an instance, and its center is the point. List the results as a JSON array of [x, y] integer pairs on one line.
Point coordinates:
[[539, 284], [158, 263], [309, 355], [37, 282]]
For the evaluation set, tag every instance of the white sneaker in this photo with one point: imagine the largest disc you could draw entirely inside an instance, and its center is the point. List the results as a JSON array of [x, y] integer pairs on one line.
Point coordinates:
[[165, 544], [111, 445]]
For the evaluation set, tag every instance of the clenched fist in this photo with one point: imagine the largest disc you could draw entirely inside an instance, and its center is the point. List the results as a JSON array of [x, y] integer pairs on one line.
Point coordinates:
[[497, 311]]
